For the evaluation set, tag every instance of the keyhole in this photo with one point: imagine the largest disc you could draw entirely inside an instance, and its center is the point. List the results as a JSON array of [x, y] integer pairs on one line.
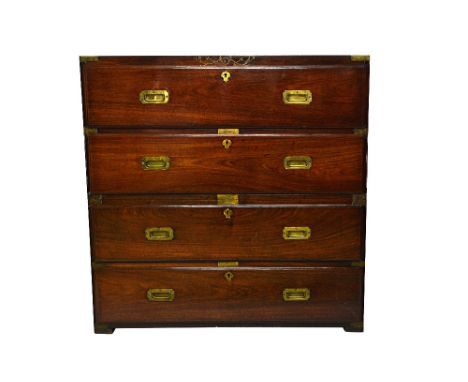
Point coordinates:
[[228, 276], [227, 143], [228, 213], [225, 76]]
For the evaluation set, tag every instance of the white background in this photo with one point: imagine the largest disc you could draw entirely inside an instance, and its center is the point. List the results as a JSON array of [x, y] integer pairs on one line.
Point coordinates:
[[417, 257]]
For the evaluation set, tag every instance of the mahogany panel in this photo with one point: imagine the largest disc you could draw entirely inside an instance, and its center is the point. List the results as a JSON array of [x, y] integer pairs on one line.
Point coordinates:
[[204, 295], [200, 164], [204, 233], [198, 96]]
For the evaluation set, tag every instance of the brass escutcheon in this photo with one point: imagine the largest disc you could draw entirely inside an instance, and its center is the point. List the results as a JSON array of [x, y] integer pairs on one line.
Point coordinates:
[[227, 143], [228, 213], [229, 276], [225, 76]]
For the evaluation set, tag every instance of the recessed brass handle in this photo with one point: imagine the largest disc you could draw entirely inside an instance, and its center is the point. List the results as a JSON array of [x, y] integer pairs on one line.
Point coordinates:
[[156, 163], [227, 143], [159, 233], [160, 294], [296, 294], [296, 233], [301, 162], [154, 97], [297, 97]]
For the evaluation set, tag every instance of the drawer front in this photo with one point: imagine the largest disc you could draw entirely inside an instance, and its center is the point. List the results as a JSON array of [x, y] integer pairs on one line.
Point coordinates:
[[146, 95], [173, 233], [149, 294], [138, 163]]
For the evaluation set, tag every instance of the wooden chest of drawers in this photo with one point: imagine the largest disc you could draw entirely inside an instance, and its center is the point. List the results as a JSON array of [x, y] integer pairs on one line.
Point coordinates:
[[226, 191]]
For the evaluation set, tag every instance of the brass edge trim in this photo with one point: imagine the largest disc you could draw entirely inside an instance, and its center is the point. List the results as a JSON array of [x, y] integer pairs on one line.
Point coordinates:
[[360, 132], [228, 131], [89, 131], [358, 264], [88, 58], [228, 263], [363, 58], [359, 200], [94, 200]]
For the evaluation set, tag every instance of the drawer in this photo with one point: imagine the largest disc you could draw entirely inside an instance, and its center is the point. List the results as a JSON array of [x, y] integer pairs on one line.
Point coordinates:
[[122, 94], [149, 294], [189, 229], [181, 163]]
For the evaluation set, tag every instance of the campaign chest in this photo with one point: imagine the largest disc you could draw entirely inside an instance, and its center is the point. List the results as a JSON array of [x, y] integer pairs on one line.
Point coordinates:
[[226, 191]]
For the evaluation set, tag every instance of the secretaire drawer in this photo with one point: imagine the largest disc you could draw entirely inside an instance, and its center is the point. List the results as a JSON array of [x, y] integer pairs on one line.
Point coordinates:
[[192, 295], [123, 94], [150, 163], [145, 229]]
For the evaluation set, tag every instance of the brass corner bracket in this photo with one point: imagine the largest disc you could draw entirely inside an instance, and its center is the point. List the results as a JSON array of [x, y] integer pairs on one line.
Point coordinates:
[[89, 131], [363, 58], [359, 200], [94, 200], [360, 132], [88, 58]]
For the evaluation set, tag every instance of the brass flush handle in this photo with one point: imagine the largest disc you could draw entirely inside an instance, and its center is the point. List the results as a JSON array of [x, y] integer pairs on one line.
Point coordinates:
[[156, 163], [229, 276], [154, 96], [297, 97], [227, 143], [296, 233], [159, 233], [160, 294], [296, 294], [301, 162], [228, 213], [225, 76]]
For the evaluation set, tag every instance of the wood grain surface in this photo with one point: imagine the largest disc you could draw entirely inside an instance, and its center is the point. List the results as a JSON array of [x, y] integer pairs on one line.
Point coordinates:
[[204, 294], [253, 163]]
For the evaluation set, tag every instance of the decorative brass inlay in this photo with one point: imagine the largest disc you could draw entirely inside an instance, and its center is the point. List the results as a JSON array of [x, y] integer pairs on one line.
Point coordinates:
[[227, 213], [160, 294], [227, 199], [296, 233], [225, 60], [88, 58], [360, 58], [228, 131], [225, 76], [296, 294], [226, 264], [359, 200], [298, 162], [154, 96], [159, 233], [229, 276], [297, 97], [227, 143], [156, 163]]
